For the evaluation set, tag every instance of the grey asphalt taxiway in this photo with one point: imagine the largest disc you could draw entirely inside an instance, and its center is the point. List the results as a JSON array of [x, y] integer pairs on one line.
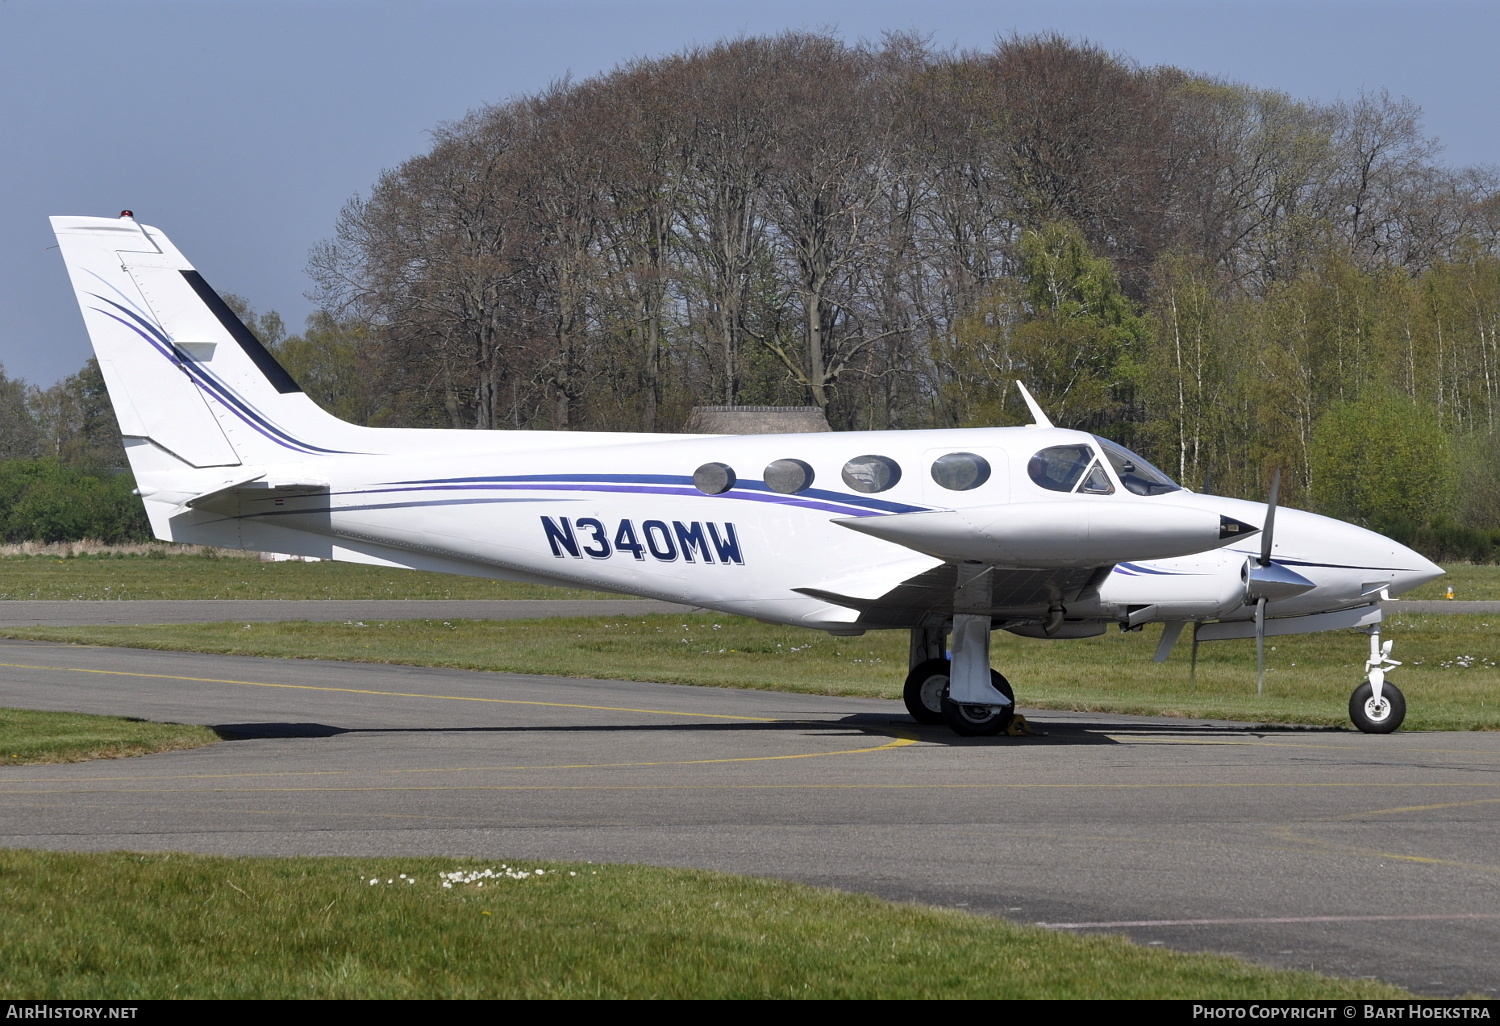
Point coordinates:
[[1334, 851]]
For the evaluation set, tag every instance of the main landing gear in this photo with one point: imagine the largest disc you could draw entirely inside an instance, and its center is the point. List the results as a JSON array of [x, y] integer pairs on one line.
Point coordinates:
[[1377, 706], [970, 708], [926, 696]]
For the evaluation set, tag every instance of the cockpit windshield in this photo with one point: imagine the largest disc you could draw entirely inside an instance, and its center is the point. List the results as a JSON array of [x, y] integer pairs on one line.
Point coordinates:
[[1135, 473]]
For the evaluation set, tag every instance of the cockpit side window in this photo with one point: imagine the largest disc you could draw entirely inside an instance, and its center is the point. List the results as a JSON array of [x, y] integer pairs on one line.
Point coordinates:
[[1097, 482], [1135, 473], [1058, 467]]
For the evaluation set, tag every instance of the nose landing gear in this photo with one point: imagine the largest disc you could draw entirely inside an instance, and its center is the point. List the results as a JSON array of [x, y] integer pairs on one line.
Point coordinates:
[[1377, 706]]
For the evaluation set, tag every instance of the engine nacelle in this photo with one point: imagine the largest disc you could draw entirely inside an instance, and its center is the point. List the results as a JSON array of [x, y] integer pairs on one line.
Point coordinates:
[[1206, 587]]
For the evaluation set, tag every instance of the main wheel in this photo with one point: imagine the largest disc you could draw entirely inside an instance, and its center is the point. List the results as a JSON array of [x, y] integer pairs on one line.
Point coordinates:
[[925, 687], [980, 720], [1380, 717]]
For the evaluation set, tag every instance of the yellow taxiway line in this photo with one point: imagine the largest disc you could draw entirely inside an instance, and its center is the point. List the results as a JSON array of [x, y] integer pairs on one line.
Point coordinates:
[[900, 740], [392, 694]]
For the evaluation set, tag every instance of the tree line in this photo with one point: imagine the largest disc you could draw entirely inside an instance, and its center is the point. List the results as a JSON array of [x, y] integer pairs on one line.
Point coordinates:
[[62, 475], [1228, 278]]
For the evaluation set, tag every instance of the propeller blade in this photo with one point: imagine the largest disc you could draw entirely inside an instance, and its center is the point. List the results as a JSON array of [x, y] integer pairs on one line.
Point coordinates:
[[1260, 646], [1268, 530], [1267, 536]]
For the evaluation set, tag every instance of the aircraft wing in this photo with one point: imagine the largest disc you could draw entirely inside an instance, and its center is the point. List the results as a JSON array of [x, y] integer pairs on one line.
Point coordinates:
[[910, 599]]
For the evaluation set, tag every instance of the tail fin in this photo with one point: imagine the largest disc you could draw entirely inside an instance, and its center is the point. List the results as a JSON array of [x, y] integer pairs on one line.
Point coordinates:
[[183, 372]]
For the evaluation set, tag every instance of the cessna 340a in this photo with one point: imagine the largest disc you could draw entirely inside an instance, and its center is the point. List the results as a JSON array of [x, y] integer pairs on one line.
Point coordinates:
[[948, 534]]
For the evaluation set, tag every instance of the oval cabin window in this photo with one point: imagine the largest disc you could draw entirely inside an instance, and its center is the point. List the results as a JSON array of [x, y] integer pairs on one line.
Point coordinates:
[[789, 476], [960, 471], [871, 473], [713, 478]]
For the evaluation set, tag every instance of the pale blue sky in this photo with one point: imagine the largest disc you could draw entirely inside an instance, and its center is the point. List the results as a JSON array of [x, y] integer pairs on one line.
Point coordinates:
[[240, 128]]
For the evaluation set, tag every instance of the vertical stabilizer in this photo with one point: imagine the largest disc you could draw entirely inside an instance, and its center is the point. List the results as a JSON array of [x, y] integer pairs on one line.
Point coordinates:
[[183, 372], [153, 392]]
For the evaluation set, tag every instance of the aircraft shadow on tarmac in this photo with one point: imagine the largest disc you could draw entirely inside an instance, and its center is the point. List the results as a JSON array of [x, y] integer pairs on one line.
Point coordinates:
[[1065, 733]]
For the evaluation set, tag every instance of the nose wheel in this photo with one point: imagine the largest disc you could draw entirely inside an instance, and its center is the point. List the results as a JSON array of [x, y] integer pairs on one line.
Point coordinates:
[[1377, 714]]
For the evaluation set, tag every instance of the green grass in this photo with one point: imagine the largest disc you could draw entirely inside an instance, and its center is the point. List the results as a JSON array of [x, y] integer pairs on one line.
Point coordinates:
[[128, 927], [151, 926], [36, 737], [1308, 680], [207, 577], [117, 576], [1470, 582]]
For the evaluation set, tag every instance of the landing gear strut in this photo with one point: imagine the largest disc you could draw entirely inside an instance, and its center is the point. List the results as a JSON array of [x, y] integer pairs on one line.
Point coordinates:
[[1377, 706]]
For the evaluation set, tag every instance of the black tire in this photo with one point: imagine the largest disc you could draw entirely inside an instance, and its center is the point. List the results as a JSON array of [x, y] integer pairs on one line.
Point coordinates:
[[981, 720], [1377, 719], [925, 687]]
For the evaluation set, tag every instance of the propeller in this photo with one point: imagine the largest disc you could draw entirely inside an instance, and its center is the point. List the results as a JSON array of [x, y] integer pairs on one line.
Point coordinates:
[[1267, 536], [1266, 579]]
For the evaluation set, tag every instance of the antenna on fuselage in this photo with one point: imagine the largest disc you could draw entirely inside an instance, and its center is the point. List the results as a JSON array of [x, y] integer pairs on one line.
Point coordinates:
[[1038, 418]]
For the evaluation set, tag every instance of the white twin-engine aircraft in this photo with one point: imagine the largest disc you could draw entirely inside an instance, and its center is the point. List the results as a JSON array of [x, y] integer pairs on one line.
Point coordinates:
[[1042, 531]]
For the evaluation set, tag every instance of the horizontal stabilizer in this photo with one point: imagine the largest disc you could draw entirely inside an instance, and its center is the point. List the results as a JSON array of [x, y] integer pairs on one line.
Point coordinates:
[[229, 499], [206, 498]]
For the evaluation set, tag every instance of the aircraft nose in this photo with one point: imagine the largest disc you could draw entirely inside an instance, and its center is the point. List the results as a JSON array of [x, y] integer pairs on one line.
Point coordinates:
[[1421, 570], [1355, 561]]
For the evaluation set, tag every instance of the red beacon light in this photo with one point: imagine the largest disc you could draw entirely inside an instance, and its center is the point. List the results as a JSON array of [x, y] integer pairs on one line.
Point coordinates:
[[128, 213]]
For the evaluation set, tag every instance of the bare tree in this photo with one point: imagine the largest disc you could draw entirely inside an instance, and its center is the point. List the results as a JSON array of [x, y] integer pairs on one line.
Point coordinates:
[[794, 217], [434, 260], [722, 228]]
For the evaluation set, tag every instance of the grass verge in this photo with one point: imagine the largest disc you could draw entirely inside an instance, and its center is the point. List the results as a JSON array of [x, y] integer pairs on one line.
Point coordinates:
[[159, 572], [36, 737], [1474, 582], [155, 575], [1451, 675], [130, 926]]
